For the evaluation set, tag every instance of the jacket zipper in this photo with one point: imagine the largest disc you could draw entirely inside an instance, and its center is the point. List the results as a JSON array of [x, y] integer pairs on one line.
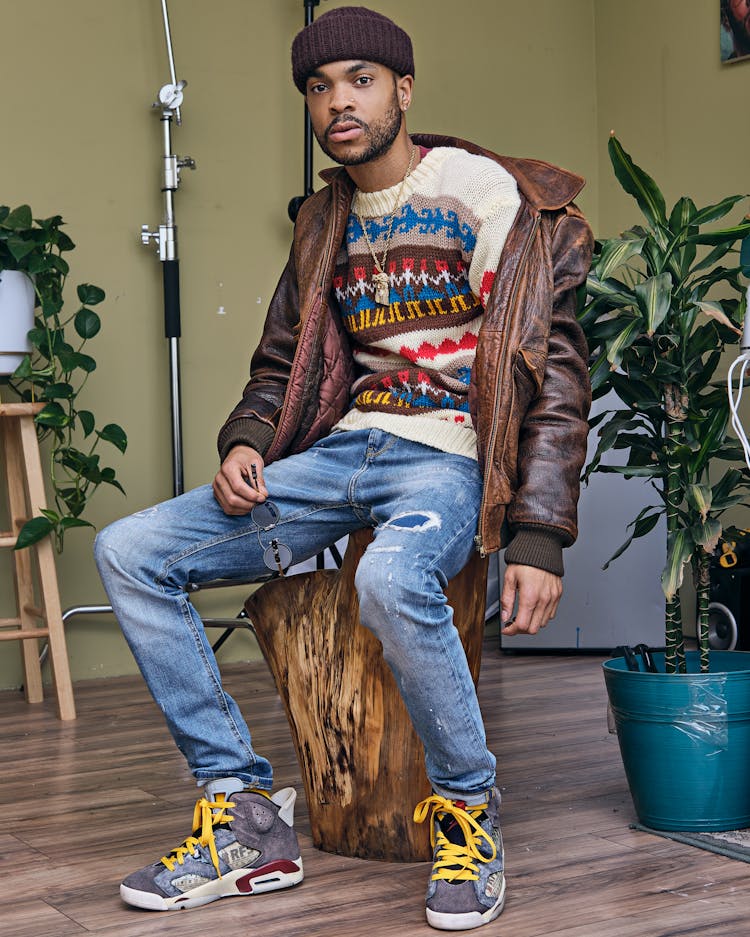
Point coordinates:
[[479, 539]]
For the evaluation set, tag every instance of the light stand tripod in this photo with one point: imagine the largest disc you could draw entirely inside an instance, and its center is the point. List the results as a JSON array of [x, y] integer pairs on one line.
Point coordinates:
[[170, 101]]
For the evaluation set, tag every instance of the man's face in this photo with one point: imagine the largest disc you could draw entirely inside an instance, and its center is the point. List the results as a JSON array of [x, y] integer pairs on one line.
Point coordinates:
[[739, 16], [355, 109]]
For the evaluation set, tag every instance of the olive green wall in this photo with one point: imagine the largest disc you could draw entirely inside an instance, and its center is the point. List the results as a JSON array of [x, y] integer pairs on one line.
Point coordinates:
[[676, 109], [544, 79]]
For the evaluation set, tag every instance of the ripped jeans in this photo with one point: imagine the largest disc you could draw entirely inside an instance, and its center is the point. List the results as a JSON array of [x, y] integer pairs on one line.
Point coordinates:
[[423, 506]]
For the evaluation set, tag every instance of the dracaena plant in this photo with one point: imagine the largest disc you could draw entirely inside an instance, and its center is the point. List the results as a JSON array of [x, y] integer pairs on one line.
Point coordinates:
[[56, 371], [663, 300]]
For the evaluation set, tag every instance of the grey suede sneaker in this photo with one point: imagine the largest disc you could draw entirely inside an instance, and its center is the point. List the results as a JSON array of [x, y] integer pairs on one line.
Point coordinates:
[[242, 846], [467, 886]]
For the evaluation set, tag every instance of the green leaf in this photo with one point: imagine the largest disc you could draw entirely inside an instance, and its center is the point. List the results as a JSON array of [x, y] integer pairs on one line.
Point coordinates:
[[19, 219], [683, 216], [719, 210], [64, 243], [723, 489], [114, 434], [60, 391], [630, 471], [617, 348], [33, 531], [680, 548], [599, 373], [90, 295], [707, 534], [108, 477], [52, 415], [723, 235], [67, 522], [59, 264], [642, 525], [23, 372], [745, 256], [70, 360], [712, 257], [615, 253], [654, 297], [610, 289], [712, 434], [699, 498], [87, 323], [20, 248], [88, 421], [639, 184], [635, 393]]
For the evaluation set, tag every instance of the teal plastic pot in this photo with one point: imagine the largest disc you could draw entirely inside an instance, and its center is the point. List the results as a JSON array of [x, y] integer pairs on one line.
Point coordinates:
[[685, 741]]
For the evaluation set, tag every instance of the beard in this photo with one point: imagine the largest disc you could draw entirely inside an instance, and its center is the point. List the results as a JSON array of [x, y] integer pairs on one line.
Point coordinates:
[[380, 136]]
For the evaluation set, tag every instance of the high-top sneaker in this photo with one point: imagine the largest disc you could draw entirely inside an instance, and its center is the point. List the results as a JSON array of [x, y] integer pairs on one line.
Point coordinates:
[[467, 887], [241, 846]]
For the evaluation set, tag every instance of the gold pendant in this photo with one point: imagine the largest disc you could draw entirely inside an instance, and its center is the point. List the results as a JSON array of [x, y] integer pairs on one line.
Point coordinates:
[[382, 288]]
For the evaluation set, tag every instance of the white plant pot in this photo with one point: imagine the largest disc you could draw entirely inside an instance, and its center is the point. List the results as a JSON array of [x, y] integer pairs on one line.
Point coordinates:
[[16, 318]]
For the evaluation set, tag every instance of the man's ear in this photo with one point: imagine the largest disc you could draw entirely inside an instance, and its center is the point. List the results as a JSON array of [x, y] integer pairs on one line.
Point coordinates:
[[404, 87]]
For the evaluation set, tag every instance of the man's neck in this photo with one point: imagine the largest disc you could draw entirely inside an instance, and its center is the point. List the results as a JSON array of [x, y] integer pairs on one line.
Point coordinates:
[[387, 170]]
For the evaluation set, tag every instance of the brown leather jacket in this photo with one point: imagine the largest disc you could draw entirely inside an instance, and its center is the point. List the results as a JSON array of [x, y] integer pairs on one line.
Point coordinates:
[[529, 394]]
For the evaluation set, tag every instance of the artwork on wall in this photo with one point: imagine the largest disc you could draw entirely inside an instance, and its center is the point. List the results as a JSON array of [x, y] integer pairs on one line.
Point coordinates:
[[734, 30]]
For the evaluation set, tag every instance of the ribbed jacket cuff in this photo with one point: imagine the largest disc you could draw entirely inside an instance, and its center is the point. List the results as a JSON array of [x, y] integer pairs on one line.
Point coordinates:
[[534, 547], [245, 432]]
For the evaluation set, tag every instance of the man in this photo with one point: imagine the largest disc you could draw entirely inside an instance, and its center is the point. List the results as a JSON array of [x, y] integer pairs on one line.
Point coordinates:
[[420, 372]]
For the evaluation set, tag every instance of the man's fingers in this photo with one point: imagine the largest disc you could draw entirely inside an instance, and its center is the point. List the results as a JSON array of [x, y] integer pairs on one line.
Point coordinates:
[[508, 597], [239, 484], [539, 594]]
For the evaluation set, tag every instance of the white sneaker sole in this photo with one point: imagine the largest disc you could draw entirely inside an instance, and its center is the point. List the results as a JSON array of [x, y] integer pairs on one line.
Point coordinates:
[[281, 874], [442, 921]]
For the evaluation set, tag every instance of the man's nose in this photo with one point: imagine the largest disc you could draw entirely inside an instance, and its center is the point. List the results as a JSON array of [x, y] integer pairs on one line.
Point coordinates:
[[341, 99]]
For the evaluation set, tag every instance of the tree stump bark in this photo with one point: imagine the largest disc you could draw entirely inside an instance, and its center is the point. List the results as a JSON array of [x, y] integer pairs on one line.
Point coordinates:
[[362, 763]]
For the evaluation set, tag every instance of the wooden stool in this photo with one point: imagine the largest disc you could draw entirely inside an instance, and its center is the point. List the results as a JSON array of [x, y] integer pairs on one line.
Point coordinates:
[[362, 763], [25, 498]]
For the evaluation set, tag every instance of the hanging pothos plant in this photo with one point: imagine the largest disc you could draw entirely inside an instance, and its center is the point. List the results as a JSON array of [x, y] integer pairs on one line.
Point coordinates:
[[656, 340], [56, 371]]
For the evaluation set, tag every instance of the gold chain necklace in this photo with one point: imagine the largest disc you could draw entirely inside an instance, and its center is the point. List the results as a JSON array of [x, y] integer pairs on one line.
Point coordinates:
[[380, 277]]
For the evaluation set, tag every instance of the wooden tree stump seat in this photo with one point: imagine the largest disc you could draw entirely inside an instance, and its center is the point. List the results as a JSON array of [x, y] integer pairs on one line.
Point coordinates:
[[362, 763]]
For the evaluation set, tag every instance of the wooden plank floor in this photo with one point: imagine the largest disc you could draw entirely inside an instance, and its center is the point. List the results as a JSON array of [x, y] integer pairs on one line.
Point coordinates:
[[85, 803]]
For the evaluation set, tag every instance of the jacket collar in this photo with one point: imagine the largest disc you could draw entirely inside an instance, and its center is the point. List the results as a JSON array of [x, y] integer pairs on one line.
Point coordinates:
[[545, 187]]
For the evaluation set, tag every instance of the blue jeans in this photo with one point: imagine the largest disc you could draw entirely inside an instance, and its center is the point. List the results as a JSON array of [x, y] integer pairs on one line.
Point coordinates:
[[423, 505]]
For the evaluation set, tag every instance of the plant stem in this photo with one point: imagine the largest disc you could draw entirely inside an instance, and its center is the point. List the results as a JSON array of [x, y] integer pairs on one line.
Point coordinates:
[[702, 581], [675, 647]]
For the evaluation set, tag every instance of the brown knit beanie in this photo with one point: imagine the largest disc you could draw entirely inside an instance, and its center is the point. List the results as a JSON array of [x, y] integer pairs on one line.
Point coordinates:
[[350, 33]]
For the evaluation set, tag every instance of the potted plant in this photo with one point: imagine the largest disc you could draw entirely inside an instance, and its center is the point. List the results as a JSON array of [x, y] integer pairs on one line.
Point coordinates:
[[55, 371], [656, 339]]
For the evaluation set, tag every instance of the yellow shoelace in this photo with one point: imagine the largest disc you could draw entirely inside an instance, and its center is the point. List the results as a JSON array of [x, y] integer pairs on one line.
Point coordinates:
[[207, 815], [455, 862]]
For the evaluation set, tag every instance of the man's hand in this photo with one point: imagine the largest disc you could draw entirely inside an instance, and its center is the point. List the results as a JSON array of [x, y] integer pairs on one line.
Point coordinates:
[[538, 594], [239, 484]]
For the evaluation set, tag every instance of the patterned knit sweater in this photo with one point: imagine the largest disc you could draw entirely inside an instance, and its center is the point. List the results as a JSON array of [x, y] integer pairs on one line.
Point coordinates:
[[415, 354]]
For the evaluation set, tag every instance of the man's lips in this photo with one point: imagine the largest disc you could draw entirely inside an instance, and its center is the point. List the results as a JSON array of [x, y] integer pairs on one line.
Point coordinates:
[[343, 131]]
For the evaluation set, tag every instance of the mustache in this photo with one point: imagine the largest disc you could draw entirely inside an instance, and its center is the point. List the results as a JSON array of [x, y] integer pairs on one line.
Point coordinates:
[[345, 120]]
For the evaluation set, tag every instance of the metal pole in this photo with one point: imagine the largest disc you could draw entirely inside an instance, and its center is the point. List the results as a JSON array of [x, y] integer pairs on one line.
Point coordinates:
[[170, 101]]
